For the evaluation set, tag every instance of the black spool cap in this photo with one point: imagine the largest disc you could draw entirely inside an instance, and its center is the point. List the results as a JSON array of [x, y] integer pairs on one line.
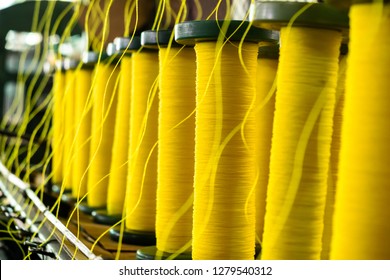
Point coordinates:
[[85, 208], [344, 49], [190, 32], [158, 39], [274, 15], [150, 253], [102, 217], [270, 52], [127, 44], [257, 251], [134, 237]]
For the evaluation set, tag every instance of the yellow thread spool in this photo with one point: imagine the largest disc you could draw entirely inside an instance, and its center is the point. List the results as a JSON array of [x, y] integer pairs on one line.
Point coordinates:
[[176, 148], [267, 65], [224, 180], [142, 179], [103, 124], [83, 115], [295, 205], [177, 73], [334, 157], [361, 228], [119, 168], [69, 125], [304, 105], [57, 140]]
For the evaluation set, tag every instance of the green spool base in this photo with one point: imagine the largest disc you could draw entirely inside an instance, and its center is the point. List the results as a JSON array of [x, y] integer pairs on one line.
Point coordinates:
[[102, 217], [274, 15], [191, 32], [151, 253], [85, 208], [134, 237]]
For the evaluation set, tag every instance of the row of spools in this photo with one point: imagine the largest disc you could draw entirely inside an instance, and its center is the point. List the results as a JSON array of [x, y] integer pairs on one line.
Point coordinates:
[[210, 142]]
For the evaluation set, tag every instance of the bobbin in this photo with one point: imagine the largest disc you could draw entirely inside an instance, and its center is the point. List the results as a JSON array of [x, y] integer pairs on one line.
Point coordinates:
[[193, 32], [367, 71], [275, 15], [66, 64], [270, 52], [100, 215], [151, 39], [129, 45], [54, 187], [90, 59]]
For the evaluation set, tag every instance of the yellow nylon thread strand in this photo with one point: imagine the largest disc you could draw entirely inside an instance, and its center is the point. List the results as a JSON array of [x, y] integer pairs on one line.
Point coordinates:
[[44, 124], [266, 74], [216, 9], [12, 158], [300, 152], [221, 229], [142, 180], [119, 168], [129, 12], [334, 160], [361, 228], [176, 148]]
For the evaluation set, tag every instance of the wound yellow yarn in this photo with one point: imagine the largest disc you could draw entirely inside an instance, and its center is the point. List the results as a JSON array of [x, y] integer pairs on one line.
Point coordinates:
[[265, 78], [176, 148], [118, 171], [58, 130], [142, 180], [69, 128], [334, 160], [82, 115], [361, 228], [306, 85], [102, 132], [224, 182]]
